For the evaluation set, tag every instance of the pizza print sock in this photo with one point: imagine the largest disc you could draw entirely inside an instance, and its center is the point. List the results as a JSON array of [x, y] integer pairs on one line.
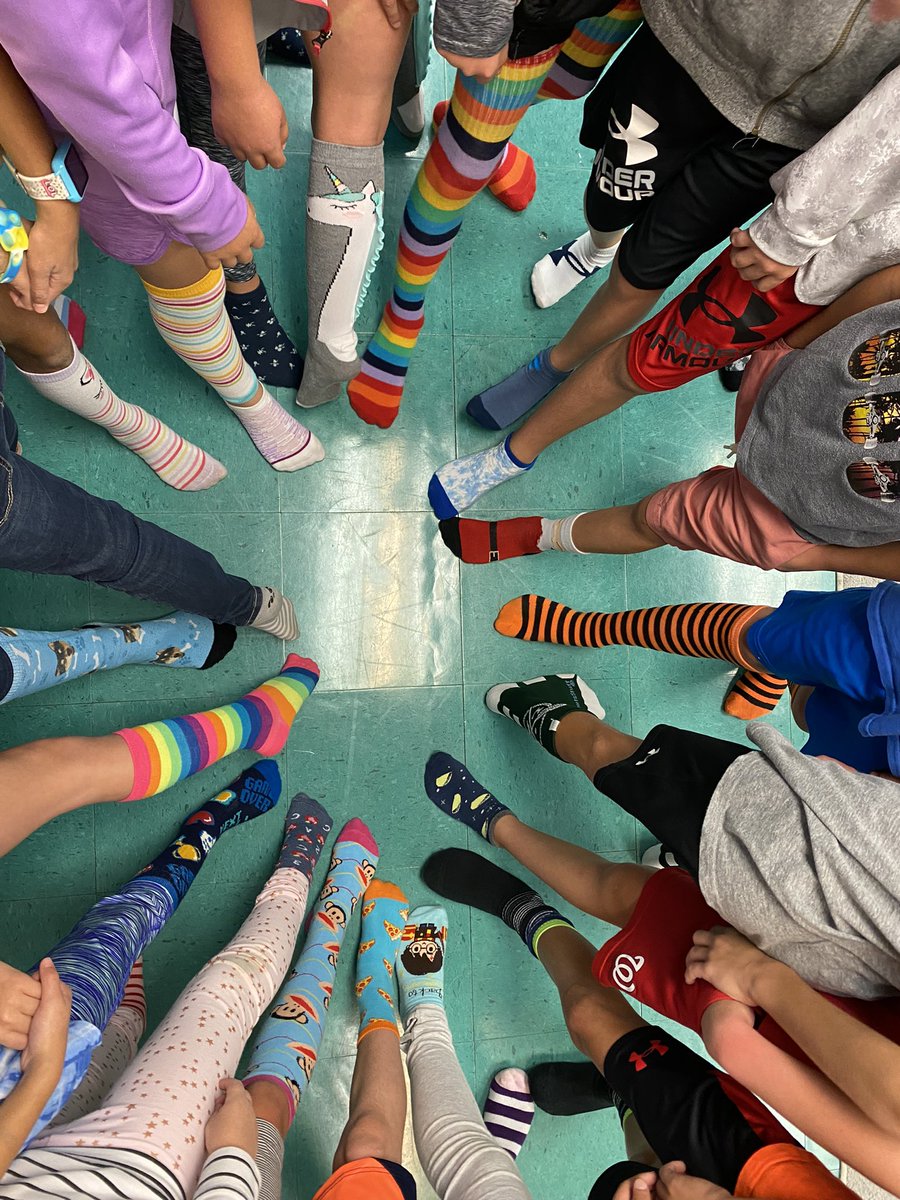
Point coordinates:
[[454, 790], [287, 1047], [167, 751], [384, 914], [420, 963], [33, 660]]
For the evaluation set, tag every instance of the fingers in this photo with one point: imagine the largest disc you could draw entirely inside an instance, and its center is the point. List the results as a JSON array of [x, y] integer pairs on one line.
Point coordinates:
[[741, 238], [41, 290], [20, 288], [392, 11], [258, 160]]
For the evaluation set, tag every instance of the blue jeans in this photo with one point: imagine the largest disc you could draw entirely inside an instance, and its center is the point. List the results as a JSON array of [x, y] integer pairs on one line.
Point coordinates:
[[52, 527]]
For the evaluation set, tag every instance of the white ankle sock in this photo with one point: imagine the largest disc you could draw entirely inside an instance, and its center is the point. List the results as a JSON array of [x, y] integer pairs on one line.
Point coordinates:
[[81, 389], [558, 272], [557, 534]]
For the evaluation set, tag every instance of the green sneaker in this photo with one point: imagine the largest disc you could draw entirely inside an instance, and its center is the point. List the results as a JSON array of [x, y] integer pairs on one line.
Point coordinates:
[[538, 705]]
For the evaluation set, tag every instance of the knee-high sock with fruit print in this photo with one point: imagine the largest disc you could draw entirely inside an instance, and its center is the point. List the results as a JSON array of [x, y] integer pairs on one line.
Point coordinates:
[[287, 1048]]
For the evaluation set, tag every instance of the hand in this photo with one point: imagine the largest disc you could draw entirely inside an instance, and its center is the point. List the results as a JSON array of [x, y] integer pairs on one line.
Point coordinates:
[[20, 996], [639, 1187], [45, 1051], [251, 122], [727, 960], [397, 11], [754, 266], [52, 256], [483, 69], [233, 1124], [239, 249], [675, 1184]]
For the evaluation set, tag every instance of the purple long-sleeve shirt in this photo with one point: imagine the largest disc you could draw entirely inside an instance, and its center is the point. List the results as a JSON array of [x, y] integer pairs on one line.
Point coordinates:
[[102, 71]]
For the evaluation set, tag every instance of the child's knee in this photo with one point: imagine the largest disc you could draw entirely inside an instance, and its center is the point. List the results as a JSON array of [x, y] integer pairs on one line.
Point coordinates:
[[368, 1135]]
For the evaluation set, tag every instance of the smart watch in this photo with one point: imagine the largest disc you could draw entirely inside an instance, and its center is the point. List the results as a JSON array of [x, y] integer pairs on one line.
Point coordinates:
[[67, 180], [14, 240]]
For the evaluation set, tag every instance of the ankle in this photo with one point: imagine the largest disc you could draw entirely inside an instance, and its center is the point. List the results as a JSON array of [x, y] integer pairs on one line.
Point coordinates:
[[562, 358], [580, 740], [270, 1103], [502, 831]]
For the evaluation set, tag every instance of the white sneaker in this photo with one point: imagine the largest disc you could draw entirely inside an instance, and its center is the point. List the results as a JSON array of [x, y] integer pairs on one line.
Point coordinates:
[[561, 270]]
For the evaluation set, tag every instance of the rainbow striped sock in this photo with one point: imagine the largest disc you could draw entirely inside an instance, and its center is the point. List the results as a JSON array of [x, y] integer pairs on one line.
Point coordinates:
[[192, 321], [584, 56], [469, 145], [167, 751]]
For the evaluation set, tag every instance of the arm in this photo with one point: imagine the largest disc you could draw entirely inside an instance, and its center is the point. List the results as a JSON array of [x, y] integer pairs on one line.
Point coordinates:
[[800, 1094], [852, 172], [862, 1064], [879, 288], [230, 1171], [53, 241], [74, 62], [246, 113]]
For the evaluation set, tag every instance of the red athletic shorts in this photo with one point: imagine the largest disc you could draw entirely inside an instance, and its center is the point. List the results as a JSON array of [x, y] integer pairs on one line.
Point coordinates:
[[716, 319], [646, 961]]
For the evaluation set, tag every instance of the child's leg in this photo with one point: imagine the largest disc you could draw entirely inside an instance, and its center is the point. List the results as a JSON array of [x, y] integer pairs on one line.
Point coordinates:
[[187, 304], [601, 888], [263, 342], [585, 55], [40, 346], [353, 79], [32, 660], [460, 1157], [175, 1078], [708, 630], [468, 147]]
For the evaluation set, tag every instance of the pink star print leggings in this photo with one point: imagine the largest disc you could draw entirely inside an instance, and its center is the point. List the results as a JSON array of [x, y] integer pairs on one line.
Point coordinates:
[[164, 1097]]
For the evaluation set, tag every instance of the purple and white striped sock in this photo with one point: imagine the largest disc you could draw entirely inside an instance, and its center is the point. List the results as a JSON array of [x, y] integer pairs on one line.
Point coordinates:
[[509, 1109]]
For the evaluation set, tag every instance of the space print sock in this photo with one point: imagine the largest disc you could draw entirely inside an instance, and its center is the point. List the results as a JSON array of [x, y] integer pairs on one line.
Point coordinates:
[[32, 660], [384, 916], [287, 1047], [344, 206]]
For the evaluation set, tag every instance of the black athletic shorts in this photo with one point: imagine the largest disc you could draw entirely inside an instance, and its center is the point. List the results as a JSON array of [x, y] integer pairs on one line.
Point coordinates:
[[668, 164], [539, 25], [683, 1109], [668, 783]]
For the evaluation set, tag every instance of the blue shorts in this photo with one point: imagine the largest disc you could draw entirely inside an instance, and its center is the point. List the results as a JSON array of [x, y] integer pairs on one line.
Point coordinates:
[[822, 639]]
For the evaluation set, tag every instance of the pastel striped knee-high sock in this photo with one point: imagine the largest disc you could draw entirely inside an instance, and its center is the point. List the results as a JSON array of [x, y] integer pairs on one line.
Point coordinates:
[[711, 630], [287, 1047], [584, 56], [194, 324], [462, 158], [166, 751]]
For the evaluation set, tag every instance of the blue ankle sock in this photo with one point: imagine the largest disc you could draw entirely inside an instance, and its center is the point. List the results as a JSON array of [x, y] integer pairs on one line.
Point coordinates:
[[459, 794], [32, 660], [508, 401], [263, 342], [456, 485], [420, 964]]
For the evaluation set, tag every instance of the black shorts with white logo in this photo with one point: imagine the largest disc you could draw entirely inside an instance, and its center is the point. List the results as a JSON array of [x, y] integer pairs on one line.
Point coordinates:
[[668, 783], [668, 164]]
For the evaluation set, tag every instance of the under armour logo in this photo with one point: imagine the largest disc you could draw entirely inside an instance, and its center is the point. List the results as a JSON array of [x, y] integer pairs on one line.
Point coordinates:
[[743, 325], [640, 1060], [640, 762], [633, 134], [624, 970]]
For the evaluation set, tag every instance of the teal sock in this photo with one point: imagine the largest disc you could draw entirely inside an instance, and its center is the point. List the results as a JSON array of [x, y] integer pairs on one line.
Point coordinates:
[[420, 966], [32, 660], [287, 1047], [384, 915]]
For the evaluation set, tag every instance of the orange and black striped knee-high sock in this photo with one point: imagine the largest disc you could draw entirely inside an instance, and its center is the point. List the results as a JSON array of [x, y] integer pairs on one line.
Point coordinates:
[[709, 630]]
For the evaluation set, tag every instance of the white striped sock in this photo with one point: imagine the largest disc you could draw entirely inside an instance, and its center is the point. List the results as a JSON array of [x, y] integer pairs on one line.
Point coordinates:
[[509, 1109]]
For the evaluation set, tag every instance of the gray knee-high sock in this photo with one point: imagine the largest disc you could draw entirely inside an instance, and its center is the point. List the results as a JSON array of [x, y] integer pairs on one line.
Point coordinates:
[[344, 235]]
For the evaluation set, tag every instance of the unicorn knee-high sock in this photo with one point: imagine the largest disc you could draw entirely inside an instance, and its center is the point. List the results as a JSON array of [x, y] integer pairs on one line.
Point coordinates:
[[462, 158], [192, 321], [81, 389], [287, 1048], [344, 205], [32, 660], [167, 751]]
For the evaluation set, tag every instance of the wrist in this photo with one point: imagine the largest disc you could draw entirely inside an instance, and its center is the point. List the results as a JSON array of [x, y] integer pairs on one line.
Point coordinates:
[[768, 981], [42, 1076], [63, 212]]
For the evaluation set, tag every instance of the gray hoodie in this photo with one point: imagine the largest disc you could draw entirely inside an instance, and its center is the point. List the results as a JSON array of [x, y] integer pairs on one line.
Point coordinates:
[[786, 72]]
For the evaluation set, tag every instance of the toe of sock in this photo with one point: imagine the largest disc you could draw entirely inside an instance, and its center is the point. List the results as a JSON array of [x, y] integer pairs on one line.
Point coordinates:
[[480, 415], [509, 619], [451, 536], [295, 662], [267, 768], [373, 412], [441, 504], [358, 831], [224, 637], [514, 1079]]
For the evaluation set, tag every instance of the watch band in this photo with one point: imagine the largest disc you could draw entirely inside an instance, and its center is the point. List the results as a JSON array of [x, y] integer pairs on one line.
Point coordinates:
[[14, 240], [41, 187]]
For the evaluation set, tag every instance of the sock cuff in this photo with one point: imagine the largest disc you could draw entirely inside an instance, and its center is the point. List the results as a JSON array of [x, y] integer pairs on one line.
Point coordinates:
[[289, 1096], [140, 760], [557, 922], [60, 376], [381, 889], [322, 148], [523, 466], [738, 626], [378, 1023], [212, 280]]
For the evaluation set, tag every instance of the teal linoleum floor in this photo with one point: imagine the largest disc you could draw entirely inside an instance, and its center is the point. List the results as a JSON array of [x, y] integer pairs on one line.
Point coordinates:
[[402, 633]]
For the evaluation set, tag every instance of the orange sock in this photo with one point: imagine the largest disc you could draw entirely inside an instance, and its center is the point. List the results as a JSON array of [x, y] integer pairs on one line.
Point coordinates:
[[514, 181]]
